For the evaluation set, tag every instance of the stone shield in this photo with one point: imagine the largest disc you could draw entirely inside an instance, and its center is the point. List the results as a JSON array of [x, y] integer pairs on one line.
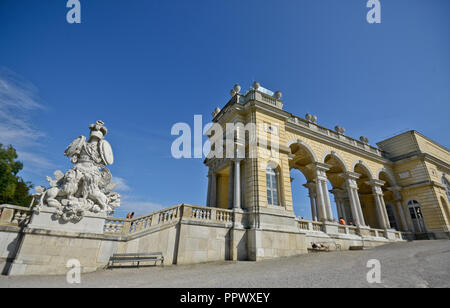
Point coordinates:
[[106, 152]]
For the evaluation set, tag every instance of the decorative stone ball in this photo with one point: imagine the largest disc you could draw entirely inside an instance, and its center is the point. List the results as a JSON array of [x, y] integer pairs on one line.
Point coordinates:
[[237, 88], [340, 130], [278, 95], [232, 92], [314, 119], [364, 139], [308, 117], [256, 85], [215, 112]]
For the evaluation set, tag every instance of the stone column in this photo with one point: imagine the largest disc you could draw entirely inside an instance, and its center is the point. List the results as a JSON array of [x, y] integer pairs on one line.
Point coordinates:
[[398, 201], [383, 218], [339, 198], [231, 186], [355, 204], [242, 179], [237, 184], [208, 195], [313, 200], [213, 195], [327, 200], [323, 198]]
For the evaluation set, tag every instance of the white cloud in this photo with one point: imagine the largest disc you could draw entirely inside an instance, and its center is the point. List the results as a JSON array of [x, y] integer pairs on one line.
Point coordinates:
[[18, 98], [35, 163], [121, 184], [129, 204]]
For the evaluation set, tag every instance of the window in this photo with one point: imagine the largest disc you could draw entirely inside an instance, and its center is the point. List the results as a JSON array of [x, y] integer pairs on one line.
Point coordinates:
[[392, 216], [271, 128], [272, 186], [415, 212], [447, 185]]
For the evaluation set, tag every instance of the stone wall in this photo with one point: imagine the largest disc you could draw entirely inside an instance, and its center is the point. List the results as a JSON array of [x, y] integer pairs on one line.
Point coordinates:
[[184, 234], [35, 252]]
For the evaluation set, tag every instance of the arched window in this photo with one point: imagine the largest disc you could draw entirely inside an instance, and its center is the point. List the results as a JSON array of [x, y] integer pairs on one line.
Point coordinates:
[[415, 211], [447, 185], [272, 186]]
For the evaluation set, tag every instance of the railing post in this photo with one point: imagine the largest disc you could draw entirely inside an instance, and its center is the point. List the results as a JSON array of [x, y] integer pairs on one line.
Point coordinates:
[[7, 216], [126, 227], [187, 211], [155, 219]]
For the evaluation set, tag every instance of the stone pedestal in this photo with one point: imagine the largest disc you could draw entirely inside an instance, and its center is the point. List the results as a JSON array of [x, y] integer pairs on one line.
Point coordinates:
[[275, 218], [45, 219], [330, 228], [240, 221], [363, 231], [48, 243], [389, 234]]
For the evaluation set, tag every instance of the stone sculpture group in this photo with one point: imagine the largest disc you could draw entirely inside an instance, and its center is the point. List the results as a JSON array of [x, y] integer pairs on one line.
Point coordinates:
[[86, 187]]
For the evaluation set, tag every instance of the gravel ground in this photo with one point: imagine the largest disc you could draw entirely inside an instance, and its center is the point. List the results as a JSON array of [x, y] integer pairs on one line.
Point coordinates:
[[411, 264]]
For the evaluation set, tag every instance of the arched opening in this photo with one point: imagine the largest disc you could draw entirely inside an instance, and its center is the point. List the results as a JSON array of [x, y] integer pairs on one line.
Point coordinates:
[[300, 195], [417, 220], [336, 186], [302, 182], [365, 194], [446, 209]]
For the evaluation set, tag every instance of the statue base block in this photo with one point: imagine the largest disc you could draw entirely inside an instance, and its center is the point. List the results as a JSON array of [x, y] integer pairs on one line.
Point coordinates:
[[45, 219]]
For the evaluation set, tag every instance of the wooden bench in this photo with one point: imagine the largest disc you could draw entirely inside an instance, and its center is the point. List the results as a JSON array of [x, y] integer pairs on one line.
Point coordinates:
[[360, 247], [136, 257]]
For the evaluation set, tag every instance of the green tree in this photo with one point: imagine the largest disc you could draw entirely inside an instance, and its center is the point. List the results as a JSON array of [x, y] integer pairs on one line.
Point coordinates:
[[13, 189]]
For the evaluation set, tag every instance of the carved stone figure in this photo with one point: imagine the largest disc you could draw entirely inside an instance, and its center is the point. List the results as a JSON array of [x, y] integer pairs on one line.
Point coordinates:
[[87, 186]]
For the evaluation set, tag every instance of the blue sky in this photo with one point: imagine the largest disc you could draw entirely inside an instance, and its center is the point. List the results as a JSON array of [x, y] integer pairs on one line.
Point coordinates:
[[141, 66]]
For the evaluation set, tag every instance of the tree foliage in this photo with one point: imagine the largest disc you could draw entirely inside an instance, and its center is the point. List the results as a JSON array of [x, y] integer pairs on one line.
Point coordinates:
[[13, 189]]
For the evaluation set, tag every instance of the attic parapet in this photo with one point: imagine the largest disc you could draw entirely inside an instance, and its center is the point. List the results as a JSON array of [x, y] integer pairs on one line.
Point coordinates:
[[297, 121]]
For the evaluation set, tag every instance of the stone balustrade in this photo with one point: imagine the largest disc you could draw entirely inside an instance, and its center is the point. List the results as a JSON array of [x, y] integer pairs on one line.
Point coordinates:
[[201, 213], [398, 235], [303, 225], [330, 133], [224, 215], [379, 232], [208, 214], [316, 226], [309, 225], [119, 226], [115, 225], [352, 230], [12, 215]]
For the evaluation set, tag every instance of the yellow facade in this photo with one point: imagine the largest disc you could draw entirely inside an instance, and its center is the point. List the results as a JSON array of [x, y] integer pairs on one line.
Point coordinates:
[[402, 183]]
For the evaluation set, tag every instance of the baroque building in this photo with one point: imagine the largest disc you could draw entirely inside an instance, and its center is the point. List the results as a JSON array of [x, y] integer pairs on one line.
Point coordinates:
[[390, 193], [402, 184]]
